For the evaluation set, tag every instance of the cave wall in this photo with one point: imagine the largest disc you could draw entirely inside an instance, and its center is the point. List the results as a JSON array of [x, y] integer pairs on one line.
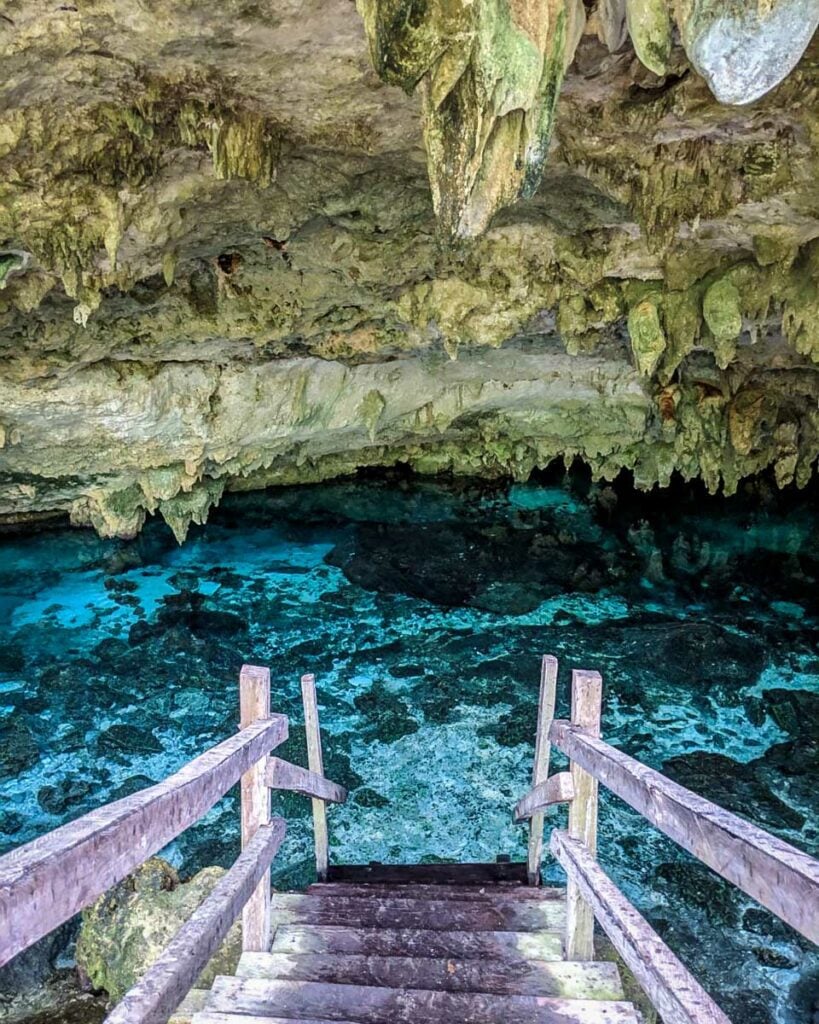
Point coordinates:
[[220, 268]]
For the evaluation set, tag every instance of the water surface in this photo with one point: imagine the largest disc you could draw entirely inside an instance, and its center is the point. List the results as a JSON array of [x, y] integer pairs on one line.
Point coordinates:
[[423, 609]]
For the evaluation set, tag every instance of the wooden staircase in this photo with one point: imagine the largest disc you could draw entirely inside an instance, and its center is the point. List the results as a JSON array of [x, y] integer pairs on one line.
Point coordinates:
[[414, 944], [419, 951]]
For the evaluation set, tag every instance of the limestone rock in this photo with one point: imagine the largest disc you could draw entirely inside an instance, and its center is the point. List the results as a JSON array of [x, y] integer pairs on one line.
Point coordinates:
[[127, 928], [243, 211], [489, 73], [649, 25], [743, 48], [648, 341]]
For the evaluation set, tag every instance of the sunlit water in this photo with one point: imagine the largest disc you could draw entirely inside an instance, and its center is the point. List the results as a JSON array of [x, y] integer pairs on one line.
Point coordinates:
[[423, 610]]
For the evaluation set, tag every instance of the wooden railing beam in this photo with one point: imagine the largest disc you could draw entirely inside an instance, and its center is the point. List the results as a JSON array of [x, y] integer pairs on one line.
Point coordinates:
[[673, 991], [254, 706], [545, 715], [777, 875], [587, 697], [559, 789], [169, 979], [284, 775], [316, 763], [50, 879]]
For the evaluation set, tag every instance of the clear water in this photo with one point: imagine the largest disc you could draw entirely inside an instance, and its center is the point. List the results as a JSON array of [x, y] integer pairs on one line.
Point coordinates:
[[423, 609]]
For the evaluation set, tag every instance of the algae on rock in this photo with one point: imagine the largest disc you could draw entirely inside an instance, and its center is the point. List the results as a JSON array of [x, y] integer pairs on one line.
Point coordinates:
[[124, 932]]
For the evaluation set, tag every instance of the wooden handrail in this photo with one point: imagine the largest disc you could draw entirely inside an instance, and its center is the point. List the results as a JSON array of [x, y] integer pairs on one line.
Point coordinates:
[[316, 763], [281, 774], [776, 874], [557, 789], [168, 980], [50, 879], [540, 771], [674, 992]]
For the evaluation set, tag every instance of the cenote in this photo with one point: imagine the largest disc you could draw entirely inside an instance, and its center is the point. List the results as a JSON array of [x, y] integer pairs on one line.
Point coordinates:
[[423, 609]]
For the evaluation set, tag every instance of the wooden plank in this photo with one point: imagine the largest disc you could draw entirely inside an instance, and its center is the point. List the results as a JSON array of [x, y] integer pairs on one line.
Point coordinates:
[[254, 706], [430, 874], [468, 893], [510, 975], [674, 992], [587, 696], [777, 875], [435, 915], [545, 716], [283, 775], [209, 1017], [166, 982], [195, 1001], [539, 945], [315, 761], [47, 881], [559, 789], [374, 1005]]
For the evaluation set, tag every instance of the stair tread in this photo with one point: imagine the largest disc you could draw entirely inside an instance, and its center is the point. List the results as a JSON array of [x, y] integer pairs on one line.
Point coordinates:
[[510, 975], [417, 942], [361, 1004], [414, 890], [436, 915], [455, 874]]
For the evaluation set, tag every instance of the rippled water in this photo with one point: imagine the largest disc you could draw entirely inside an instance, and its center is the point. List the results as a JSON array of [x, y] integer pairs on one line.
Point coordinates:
[[424, 609]]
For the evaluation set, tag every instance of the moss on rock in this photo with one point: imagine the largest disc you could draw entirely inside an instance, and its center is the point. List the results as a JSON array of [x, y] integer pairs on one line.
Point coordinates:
[[124, 932]]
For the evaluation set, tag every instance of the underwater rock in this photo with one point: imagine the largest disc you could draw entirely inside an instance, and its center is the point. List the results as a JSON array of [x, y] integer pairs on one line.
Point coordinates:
[[737, 787], [126, 929], [120, 739], [18, 748]]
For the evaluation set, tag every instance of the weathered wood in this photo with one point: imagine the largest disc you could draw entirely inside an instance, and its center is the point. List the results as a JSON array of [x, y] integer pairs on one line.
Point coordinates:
[[559, 789], [430, 874], [777, 875], [587, 695], [166, 982], [676, 995], [47, 881], [209, 1017], [545, 716], [254, 705], [540, 945], [195, 1001], [506, 976], [468, 893], [372, 1005], [436, 915], [283, 775], [315, 761]]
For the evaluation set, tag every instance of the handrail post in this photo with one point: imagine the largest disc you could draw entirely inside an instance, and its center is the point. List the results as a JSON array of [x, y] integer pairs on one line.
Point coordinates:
[[316, 765], [254, 704], [587, 696], [545, 716]]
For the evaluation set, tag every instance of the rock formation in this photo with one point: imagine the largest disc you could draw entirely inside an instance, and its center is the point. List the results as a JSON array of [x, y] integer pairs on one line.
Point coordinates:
[[220, 265], [124, 932]]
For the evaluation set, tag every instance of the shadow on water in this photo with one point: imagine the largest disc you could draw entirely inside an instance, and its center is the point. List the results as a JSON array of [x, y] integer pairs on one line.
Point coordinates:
[[423, 608]]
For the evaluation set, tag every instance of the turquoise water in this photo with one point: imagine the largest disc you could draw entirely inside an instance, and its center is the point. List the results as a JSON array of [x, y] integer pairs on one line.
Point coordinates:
[[423, 610]]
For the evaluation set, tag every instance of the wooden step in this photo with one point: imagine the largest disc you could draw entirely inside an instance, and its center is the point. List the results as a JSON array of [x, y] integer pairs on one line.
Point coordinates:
[[541, 945], [425, 874], [413, 890], [300, 1000], [436, 915], [509, 976]]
